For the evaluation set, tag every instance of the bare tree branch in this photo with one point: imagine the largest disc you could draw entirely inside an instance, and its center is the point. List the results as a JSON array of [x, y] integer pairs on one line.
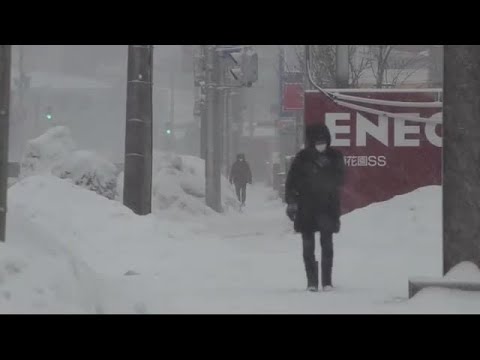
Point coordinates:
[[403, 69], [356, 70], [323, 64]]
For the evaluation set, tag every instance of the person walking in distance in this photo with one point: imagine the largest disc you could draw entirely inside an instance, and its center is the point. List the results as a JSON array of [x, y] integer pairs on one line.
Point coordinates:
[[240, 176], [312, 194]]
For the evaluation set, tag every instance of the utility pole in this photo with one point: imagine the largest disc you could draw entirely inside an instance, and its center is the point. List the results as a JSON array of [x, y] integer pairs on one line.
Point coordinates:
[[228, 132], [172, 97], [461, 146], [221, 120], [236, 123], [137, 192], [200, 96], [212, 170], [5, 71], [219, 128], [203, 123], [171, 138], [244, 72], [342, 66], [22, 83], [251, 115]]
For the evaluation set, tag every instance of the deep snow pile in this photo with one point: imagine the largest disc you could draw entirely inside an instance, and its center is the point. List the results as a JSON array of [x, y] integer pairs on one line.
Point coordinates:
[[178, 186], [54, 152], [45, 152], [69, 250], [40, 275], [89, 171]]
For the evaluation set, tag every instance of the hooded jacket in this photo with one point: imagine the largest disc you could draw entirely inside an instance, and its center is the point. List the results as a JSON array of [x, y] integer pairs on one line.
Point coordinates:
[[240, 174], [314, 183]]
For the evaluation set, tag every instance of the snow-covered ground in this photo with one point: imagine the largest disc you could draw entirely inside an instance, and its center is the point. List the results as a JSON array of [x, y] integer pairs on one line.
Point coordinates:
[[72, 250]]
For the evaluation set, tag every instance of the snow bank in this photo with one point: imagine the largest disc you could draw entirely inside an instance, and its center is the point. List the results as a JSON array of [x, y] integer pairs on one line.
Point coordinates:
[[89, 171], [89, 245], [178, 185], [69, 250], [417, 214], [451, 301], [106, 234], [47, 151], [40, 275], [54, 153], [387, 243], [465, 271]]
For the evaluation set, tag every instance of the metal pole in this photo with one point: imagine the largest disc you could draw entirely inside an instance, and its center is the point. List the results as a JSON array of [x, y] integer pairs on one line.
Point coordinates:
[[211, 117], [342, 66], [201, 98], [228, 132], [22, 83], [5, 72], [236, 124], [170, 139], [218, 130], [137, 192], [461, 146], [203, 124]]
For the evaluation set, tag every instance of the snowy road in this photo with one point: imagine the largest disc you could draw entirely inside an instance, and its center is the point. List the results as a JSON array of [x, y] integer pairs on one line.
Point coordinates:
[[72, 249]]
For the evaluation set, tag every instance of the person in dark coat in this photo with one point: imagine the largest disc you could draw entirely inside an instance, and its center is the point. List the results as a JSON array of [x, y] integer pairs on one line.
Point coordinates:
[[240, 176], [312, 192]]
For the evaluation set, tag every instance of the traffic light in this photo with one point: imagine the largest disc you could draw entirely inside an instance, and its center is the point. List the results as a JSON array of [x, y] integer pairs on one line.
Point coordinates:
[[49, 113], [245, 66], [168, 128]]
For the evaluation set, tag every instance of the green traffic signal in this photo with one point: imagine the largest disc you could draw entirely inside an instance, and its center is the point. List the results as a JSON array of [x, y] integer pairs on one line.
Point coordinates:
[[49, 116], [169, 132]]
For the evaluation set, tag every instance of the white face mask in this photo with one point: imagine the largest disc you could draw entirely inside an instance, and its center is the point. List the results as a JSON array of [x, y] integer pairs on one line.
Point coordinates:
[[321, 147]]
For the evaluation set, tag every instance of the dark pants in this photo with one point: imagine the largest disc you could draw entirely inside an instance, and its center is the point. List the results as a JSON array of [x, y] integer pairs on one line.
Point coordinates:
[[241, 192], [326, 242]]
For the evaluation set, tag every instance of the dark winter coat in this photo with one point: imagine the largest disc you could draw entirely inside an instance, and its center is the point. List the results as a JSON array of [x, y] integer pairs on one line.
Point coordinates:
[[240, 173], [314, 183]]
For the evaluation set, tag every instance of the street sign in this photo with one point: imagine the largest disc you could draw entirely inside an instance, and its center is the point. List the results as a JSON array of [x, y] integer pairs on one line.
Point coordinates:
[[292, 99]]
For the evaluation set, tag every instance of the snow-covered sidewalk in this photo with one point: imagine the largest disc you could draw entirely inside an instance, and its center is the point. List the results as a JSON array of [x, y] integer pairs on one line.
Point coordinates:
[[69, 250]]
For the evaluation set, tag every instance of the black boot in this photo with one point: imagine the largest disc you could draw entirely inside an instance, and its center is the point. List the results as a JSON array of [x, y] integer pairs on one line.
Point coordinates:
[[312, 276], [315, 275], [327, 274], [326, 241]]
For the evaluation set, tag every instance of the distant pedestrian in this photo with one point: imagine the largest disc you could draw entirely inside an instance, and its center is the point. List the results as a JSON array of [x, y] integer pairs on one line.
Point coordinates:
[[240, 176]]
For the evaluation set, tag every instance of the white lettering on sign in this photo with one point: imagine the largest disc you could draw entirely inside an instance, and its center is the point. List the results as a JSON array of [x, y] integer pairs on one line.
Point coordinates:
[[365, 126], [402, 136], [366, 161], [331, 122], [431, 131], [402, 129]]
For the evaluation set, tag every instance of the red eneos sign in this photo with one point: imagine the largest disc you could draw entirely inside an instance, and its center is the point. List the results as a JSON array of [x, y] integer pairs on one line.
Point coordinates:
[[293, 97], [385, 157]]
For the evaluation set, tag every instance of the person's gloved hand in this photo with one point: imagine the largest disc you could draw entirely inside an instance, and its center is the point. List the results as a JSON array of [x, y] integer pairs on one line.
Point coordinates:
[[292, 211], [336, 230]]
